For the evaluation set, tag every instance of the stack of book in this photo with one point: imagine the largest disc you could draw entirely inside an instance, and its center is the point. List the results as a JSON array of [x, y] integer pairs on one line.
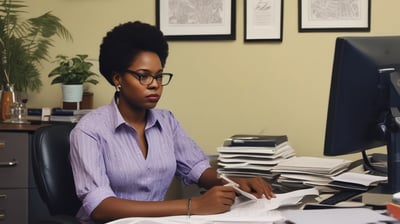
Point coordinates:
[[303, 172], [253, 155], [34, 114], [55, 114], [67, 115]]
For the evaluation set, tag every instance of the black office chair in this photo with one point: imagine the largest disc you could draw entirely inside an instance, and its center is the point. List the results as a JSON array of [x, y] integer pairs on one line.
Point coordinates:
[[53, 173]]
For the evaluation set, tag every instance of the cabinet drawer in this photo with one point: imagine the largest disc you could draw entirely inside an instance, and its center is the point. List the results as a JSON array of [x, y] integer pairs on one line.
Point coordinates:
[[14, 159], [13, 206]]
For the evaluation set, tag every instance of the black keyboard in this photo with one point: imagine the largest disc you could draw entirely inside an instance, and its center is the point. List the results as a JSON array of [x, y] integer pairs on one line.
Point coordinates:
[[340, 196]]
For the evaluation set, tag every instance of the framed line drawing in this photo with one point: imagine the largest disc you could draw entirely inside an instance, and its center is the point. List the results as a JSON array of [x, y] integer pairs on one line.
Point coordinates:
[[263, 20], [334, 15], [197, 19]]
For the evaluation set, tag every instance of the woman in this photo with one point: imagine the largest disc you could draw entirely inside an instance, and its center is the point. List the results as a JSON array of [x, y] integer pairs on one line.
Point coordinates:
[[124, 155]]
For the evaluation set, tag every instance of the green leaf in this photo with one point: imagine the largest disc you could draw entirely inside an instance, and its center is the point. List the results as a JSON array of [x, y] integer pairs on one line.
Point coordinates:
[[73, 70], [24, 44]]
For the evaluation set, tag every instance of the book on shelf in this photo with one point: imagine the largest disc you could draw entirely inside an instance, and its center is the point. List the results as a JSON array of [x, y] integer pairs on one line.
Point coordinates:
[[34, 117], [57, 111], [255, 140], [65, 118], [68, 112], [34, 112]]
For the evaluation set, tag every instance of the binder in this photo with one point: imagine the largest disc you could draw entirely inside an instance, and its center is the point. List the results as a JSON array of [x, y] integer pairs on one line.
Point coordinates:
[[65, 118], [68, 112], [255, 140]]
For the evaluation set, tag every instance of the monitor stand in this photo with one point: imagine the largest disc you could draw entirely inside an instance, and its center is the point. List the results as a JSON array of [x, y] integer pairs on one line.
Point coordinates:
[[382, 194]]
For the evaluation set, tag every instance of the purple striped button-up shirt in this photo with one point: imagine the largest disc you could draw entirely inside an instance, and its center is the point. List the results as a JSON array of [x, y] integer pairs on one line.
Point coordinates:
[[107, 162]]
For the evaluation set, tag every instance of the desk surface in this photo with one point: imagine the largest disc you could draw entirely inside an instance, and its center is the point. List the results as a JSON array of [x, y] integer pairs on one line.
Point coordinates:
[[22, 127]]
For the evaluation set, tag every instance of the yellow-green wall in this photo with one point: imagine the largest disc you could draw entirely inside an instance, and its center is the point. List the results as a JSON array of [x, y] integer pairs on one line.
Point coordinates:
[[222, 88]]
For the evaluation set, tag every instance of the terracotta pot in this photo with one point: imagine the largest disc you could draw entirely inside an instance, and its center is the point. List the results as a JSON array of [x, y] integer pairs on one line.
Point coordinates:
[[86, 103]]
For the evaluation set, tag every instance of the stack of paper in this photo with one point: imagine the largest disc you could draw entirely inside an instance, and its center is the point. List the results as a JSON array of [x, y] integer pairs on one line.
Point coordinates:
[[66, 115], [297, 172], [253, 155], [356, 181]]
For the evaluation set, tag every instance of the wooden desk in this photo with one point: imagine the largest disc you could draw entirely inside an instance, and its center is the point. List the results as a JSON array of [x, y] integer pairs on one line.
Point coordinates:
[[19, 199]]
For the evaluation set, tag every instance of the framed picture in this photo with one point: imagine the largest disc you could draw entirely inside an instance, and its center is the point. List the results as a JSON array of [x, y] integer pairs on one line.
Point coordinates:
[[197, 19], [334, 15], [263, 20]]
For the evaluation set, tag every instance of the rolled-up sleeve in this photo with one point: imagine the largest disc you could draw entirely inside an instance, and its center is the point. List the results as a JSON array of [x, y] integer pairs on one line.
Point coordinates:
[[92, 184]]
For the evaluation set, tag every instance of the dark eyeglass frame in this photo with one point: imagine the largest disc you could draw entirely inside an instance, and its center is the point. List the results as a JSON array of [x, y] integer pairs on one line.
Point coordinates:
[[144, 77]]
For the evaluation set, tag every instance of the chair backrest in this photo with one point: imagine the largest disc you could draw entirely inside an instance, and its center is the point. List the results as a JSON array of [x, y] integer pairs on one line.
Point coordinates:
[[52, 169]]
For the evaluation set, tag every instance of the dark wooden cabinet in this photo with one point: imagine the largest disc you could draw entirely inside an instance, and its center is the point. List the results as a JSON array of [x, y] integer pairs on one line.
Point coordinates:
[[19, 199]]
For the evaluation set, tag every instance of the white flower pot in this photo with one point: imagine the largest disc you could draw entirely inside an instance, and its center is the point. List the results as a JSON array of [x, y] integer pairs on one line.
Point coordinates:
[[72, 93]]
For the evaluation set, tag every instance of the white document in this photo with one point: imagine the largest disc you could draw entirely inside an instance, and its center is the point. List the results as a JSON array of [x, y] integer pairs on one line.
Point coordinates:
[[305, 177], [240, 150], [314, 165], [336, 216], [243, 211], [359, 178], [256, 161]]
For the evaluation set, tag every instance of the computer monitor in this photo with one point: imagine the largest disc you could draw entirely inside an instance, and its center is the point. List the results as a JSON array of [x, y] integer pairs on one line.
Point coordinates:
[[364, 100]]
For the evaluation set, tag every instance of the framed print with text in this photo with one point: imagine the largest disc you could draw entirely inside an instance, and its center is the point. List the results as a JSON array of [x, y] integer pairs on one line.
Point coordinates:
[[334, 15], [263, 20], [197, 19]]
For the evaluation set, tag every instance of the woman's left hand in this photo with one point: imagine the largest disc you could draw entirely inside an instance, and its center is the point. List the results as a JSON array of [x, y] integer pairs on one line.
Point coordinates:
[[256, 186]]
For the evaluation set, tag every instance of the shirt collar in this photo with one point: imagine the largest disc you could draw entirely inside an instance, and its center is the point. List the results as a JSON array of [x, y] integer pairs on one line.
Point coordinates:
[[152, 117]]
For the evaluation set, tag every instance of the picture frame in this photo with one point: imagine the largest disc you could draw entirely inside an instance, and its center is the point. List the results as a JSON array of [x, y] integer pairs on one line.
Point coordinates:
[[263, 20], [196, 20], [333, 15]]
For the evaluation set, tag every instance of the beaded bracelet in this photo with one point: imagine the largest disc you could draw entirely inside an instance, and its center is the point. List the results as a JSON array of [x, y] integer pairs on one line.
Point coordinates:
[[189, 202]]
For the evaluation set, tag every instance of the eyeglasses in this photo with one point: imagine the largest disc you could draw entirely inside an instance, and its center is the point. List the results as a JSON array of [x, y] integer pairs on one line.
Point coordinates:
[[144, 79]]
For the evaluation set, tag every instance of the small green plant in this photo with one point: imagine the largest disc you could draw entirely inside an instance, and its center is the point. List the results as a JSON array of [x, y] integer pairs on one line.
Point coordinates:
[[73, 70]]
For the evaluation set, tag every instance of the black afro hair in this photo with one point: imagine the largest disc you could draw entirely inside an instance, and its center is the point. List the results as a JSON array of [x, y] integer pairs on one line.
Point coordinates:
[[124, 42]]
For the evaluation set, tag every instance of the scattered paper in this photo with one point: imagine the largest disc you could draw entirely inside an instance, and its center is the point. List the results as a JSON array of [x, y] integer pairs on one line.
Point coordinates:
[[247, 211]]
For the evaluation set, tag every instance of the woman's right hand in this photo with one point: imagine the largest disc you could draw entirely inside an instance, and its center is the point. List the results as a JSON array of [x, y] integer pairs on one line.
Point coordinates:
[[218, 199]]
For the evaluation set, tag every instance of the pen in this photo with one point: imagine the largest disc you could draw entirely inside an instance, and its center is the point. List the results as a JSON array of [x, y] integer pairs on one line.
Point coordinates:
[[236, 187], [230, 182]]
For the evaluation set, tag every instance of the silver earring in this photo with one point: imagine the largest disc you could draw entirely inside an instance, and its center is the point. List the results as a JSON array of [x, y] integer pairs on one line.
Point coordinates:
[[118, 87]]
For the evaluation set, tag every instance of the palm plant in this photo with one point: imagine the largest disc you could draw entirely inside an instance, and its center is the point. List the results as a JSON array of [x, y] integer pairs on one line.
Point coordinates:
[[24, 44]]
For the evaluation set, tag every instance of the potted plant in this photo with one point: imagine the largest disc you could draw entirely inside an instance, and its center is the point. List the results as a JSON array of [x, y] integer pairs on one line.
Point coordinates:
[[72, 73], [24, 44]]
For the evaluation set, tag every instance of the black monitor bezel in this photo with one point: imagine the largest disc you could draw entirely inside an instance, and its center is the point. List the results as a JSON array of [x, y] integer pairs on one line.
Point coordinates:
[[372, 101]]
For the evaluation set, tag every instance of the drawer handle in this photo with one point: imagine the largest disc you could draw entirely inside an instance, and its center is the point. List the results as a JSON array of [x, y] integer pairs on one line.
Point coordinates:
[[3, 196], [2, 215], [14, 162]]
